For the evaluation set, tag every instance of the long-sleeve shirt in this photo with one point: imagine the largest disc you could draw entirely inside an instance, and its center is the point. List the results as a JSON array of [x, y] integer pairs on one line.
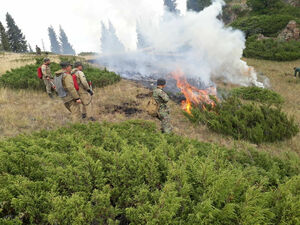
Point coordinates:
[[81, 80], [161, 98], [46, 71], [68, 84]]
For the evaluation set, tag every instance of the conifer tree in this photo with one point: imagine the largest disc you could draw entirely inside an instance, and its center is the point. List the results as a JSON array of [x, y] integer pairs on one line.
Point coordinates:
[[198, 5], [38, 50], [43, 45], [104, 39], [30, 49], [66, 47], [110, 43], [171, 6], [141, 40], [16, 38], [4, 39], [55, 45]]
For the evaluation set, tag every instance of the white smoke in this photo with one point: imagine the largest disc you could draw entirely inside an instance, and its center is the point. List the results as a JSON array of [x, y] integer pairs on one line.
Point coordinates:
[[196, 43]]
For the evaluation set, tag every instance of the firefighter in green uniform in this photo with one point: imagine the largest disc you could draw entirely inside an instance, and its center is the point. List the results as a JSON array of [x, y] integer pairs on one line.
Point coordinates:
[[84, 91], [162, 100], [47, 77], [297, 70]]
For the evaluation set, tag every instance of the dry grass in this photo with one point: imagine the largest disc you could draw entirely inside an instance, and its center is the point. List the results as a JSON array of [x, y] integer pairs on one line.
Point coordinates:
[[9, 60], [28, 111], [281, 75]]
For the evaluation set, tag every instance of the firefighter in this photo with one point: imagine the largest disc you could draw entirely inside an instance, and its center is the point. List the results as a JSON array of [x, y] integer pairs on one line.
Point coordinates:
[[85, 92], [162, 100], [72, 99], [47, 77], [297, 71]]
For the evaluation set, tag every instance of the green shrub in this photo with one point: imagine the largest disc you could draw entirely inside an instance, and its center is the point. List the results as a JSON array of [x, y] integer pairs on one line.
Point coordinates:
[[256, 123], [130, 173], [26, 77], [87, 53], [262, 95], [268, 25], [272, 49], [263, 6]]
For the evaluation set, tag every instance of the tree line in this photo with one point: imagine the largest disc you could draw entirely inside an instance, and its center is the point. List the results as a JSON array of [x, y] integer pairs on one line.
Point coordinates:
[[13, 40]]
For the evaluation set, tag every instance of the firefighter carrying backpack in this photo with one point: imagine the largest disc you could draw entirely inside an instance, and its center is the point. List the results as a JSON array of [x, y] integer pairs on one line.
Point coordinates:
[[39, 72], [61, 92], [152, 107]]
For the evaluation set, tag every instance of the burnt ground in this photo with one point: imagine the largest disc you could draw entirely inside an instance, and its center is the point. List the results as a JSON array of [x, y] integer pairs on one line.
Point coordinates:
[[128, 108]]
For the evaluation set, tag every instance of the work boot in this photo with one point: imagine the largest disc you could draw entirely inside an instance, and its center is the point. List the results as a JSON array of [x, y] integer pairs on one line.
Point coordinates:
[[83, 115], [50, 95], [92, 119]]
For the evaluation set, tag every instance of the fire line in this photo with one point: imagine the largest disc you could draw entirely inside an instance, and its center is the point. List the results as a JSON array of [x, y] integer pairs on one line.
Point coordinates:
[[193, 95]]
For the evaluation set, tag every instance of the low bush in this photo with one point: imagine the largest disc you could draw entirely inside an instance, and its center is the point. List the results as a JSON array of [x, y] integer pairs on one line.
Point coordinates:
[[26, 77], [130, 173], [272, 49], [268, 25], [256, 123], [257, 94]]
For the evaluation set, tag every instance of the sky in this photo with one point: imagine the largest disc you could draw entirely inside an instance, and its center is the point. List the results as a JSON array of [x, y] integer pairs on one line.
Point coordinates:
[[81, 19]]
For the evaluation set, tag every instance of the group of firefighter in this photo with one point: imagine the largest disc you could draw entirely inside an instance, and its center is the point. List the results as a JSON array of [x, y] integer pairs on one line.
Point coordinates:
[[78, 93]]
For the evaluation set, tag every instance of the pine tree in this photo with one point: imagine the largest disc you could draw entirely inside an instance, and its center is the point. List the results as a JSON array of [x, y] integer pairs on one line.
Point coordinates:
[[171, 6], [141, 40], [66, 47], [197, 5], [30, 49], [4, 39], [110, 43], [38, 50], [55, 46], [16, 38], [43, 45], [104, 39]]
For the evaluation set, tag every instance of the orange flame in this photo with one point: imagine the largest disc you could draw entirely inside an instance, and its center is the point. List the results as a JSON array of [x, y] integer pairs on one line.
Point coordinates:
[[192, 94]]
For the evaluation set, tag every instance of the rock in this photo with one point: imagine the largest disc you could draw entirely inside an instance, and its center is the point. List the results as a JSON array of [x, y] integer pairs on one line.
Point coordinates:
[[291, 32], [262, 37], [295, 3], [292, 25]]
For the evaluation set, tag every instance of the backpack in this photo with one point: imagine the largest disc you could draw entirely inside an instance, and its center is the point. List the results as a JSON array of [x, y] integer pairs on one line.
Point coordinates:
[[152, 107], [61, 92], [39, 72], [76, 86]]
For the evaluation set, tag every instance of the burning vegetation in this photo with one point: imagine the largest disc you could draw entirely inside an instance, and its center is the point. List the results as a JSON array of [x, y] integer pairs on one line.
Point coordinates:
[[193, 95]]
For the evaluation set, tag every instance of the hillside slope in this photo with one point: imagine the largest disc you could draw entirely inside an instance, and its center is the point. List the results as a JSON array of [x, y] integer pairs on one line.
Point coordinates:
[[27, 111]]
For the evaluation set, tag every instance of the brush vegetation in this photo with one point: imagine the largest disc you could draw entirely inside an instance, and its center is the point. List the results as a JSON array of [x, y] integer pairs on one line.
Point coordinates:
[[257, 123], [268, 25], [130, 173], [261, 95], [25, 77], [268, 17], [272, 49]]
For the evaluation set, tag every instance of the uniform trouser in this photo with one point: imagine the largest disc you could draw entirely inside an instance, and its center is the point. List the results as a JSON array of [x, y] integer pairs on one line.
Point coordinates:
[[74, 108], [164, 117], [48, 86], [86, 103]]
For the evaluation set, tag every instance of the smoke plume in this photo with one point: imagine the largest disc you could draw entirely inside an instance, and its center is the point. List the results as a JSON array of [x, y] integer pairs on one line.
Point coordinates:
[[198, 44]]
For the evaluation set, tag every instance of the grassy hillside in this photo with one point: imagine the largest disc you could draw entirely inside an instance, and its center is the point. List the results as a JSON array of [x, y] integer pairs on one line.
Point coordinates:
[[129, 173], [25, 77], [11, 60], [26, 111]]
